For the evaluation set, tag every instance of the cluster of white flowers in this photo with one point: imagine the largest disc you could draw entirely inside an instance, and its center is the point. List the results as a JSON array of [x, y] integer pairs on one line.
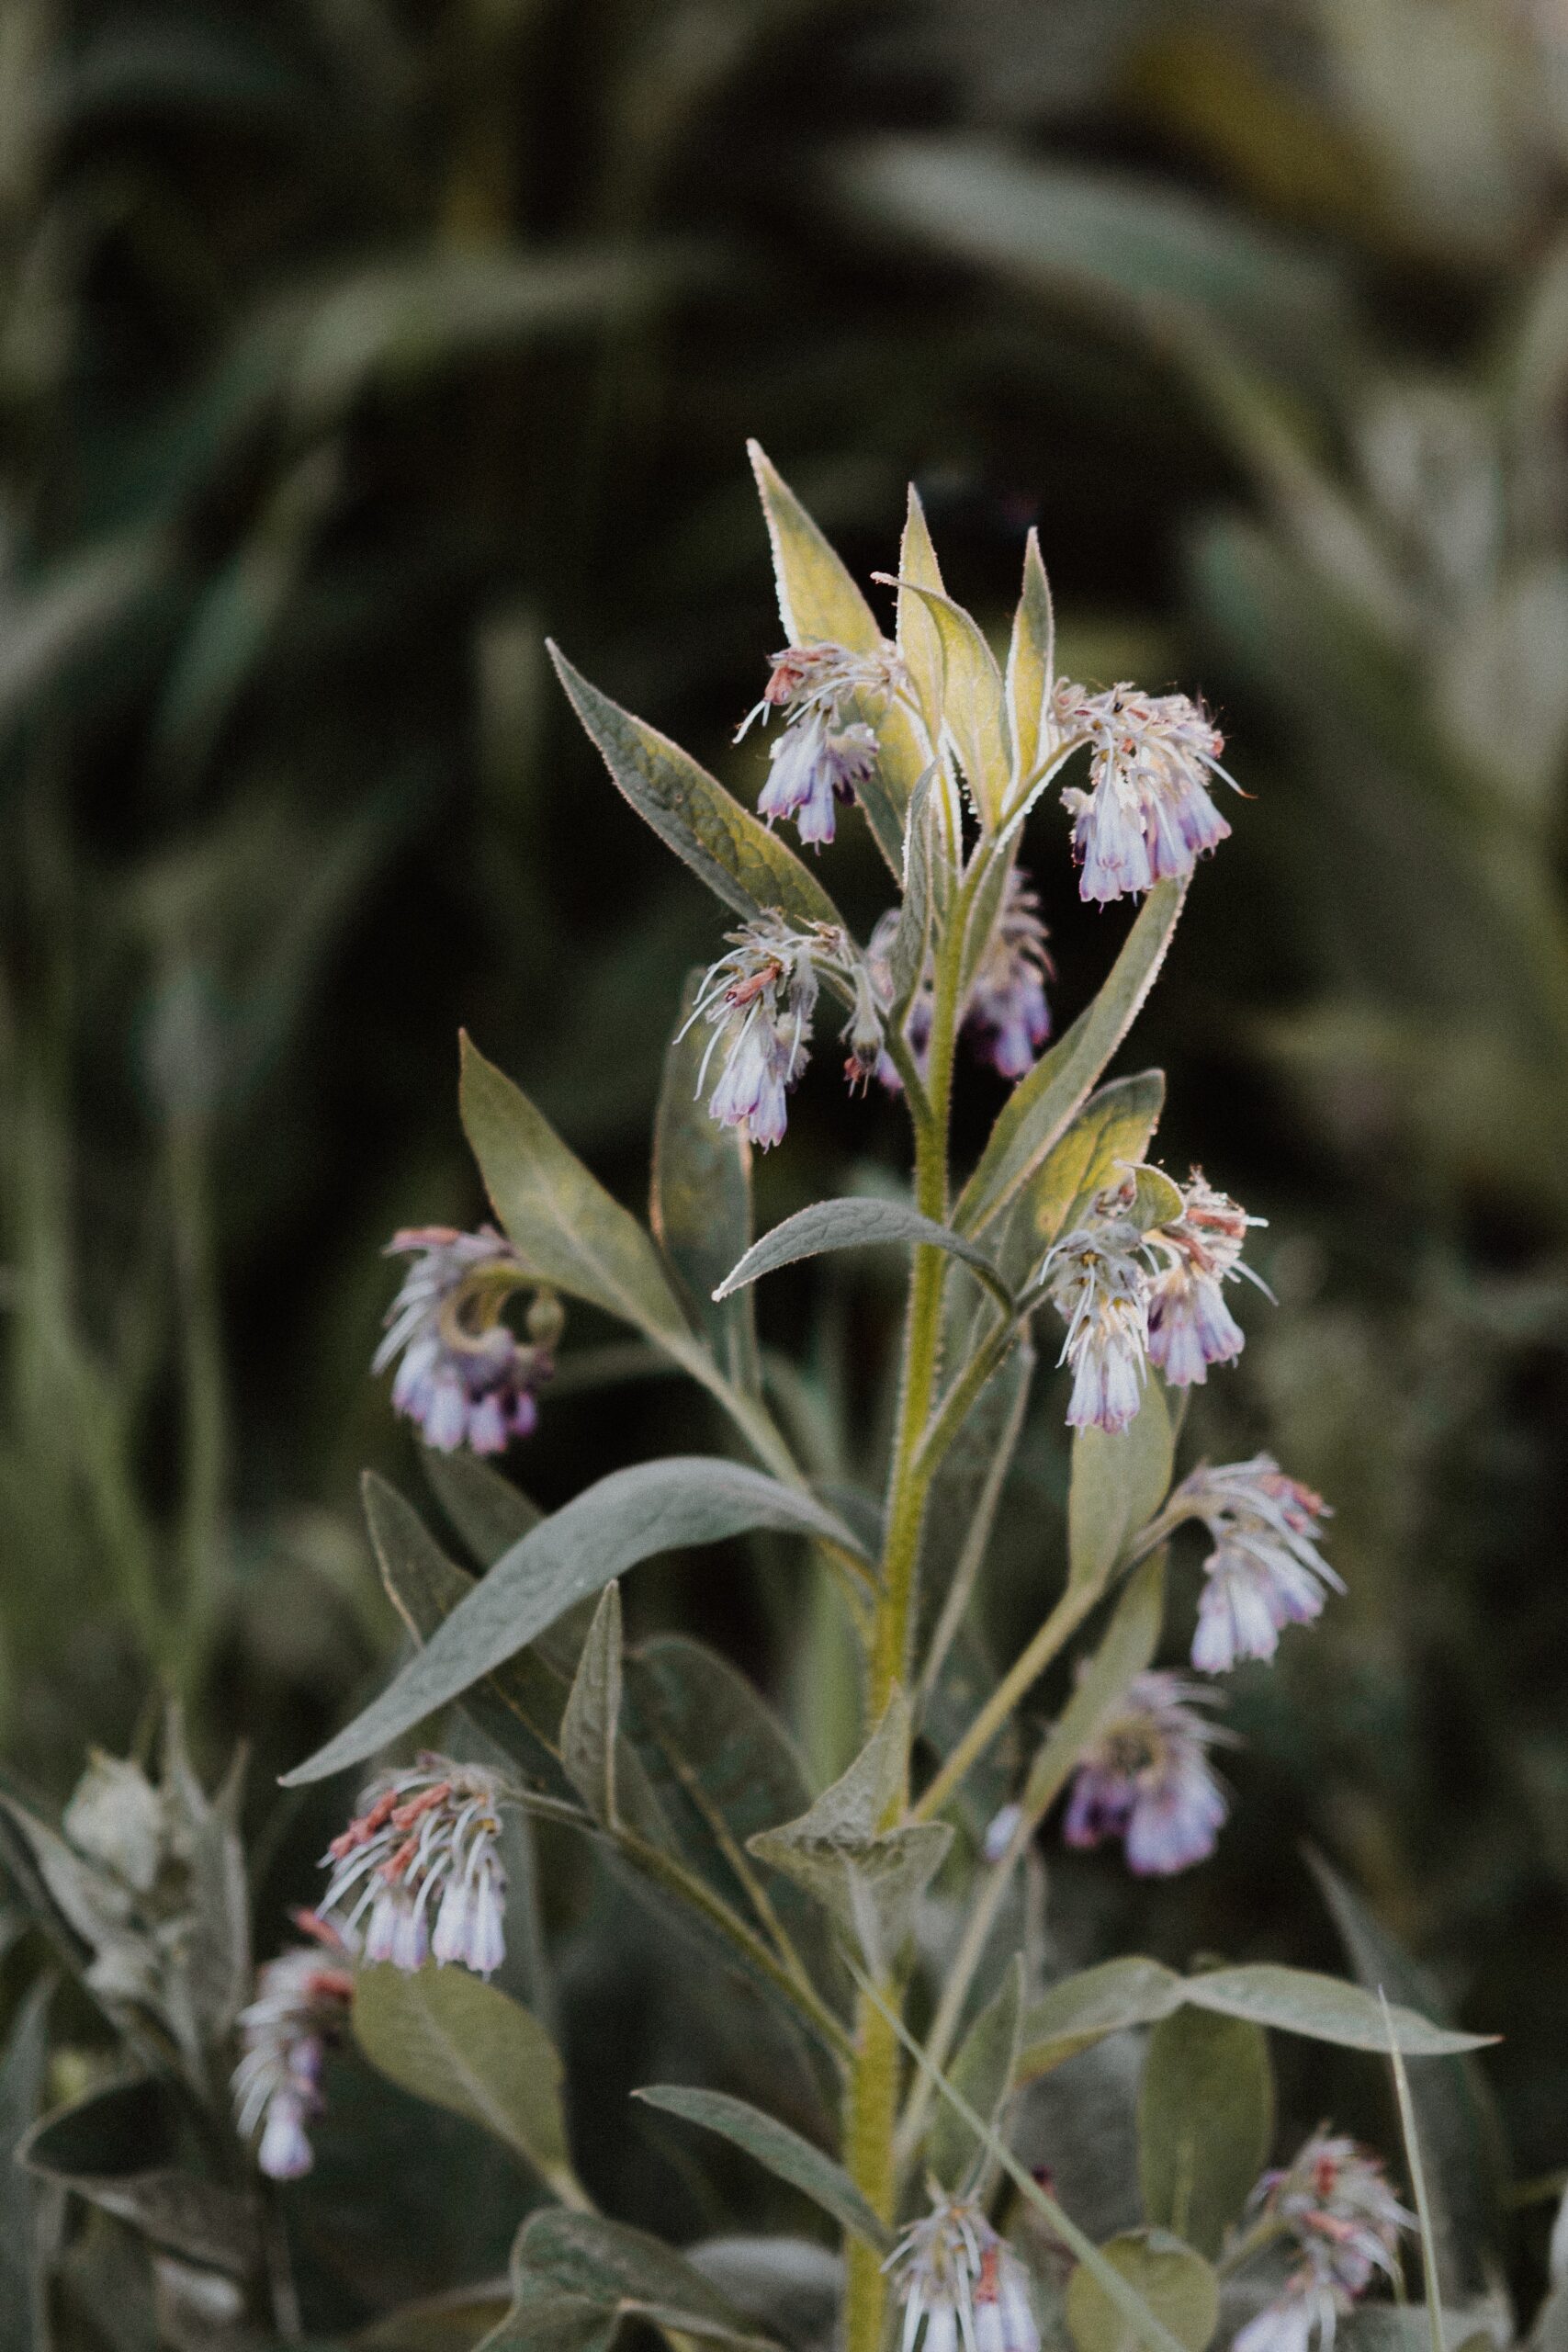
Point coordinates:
[[1148, 816], [1265, 1571], [962, 2283], [1334, 2202], [300, 2009], [422, 1845]]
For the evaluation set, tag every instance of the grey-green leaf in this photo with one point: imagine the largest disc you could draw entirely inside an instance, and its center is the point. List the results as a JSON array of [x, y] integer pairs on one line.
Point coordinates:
[[1128, 1646], [625, 2270], [1298, 2000], [120, 2148], [973, 701], [593, 1715], [982, 2073], [700, 1199], [466, 2046], [1097, 2001], [1173, 2282], [626, 1517], [567, 1228], [781, 2150], [852, 1225], [489, 1512], [907, 956], [1109, 1133], [741, 861], [22, 2072], [1119, 1478], [1042, 1105], [1032, 661], [1205, 2122]]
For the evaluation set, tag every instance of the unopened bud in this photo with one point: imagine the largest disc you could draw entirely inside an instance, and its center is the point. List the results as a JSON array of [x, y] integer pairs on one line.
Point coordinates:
[[545, 1319]]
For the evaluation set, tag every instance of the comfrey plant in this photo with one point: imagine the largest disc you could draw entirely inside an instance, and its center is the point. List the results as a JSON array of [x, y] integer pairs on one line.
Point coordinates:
[[889, 1925]]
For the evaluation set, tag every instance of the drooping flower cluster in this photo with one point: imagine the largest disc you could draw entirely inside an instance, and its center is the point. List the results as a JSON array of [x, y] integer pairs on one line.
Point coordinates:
[[1265, 1571], [1148, 816], [963, 2282], [1334, 2202], [300, 2009], [1147, 1779], [1132, 1297], [1006, 1016], [823, 755], [423, 1848], [759, 1001], [466, 1378]]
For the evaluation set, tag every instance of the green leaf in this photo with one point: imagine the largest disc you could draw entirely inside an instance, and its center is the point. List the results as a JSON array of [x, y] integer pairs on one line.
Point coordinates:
[[626, 1517], [122, 2148], [741, 861], [853, 1225], [1298, 2000], [1205, 2123], [974, 703], [700, 1204], [919, 638], [567, 1226], [1128, 1643], [1083, 2008], [625, 2271], [465, 2045], [983, 2073], [1110, 1135], [783, 2151], [489, 1512], [907, 956], [1119, 1478], [590, 1724], [542, 2319], [1031, 662], [1044, 1105], [1174, 2283], [23, 2070], [792, 2285]]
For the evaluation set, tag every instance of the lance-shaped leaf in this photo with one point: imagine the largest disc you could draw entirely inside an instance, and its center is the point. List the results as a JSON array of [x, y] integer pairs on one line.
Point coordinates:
[[1205, 2123], [973, 701], [593, 1715], [920, 639], [1129, 1644], [626, 1517], [983, 2073], [907, 956], [1169, 2279], [1044, 1105], [1084, 2008], [1031, 663], [819, 603], [1109, 1136], [853, 1225], [465, 2045], [741, 861], [123, 2149], [781, 2150], [489, 1512], [700, 1199], [569, 1229], [1119, 1478], [1298, 2000], [793, 2286], [868, 1878], [627, 2272]]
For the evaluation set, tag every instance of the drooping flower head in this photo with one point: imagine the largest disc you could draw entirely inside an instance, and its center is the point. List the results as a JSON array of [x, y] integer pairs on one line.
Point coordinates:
[[1007, 1016], [418, 1866], [1334, 2202], [1190, 1327], [300, 2009], [759, 1001], [1098, 1279], [466, 1378], [823, 754], [954, 2273], [1148, 815], [918, 1018], [1147, 1779], [1265, 1571]]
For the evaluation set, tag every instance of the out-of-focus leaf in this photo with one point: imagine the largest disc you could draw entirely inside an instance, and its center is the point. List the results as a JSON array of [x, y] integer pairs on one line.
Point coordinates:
[[567, 1226], [1098, 2001], [489, 1512], [628, 1517], [852, 1225], [1042, 1105], [982, 2071], [120, 2149], [974, 702], [627, 2272], [1205, 2122], [1175, 2284], [466, 2045], [1031, 662], [63, 619], [23, 2072], [114, 1819], [454, 2322], [1298, 2000], [790, 2285], [589, 1725], [741, 861], [700, 1205], [781, 2150], [1125, 1649], [1119, 1478]]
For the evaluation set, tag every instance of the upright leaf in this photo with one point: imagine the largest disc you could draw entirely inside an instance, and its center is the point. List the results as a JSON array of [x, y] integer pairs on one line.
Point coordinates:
[[489, 1512], [919, 638], [1205, 2122], [741, 861], [465, 2045], [781, 2150], [974, 703], [628, 1517], [1031, 663], [907, 956], [1109, 1133], [1119, 1478], [591, 1719], [983, 2073], [700, 1204], [1042, 1105]]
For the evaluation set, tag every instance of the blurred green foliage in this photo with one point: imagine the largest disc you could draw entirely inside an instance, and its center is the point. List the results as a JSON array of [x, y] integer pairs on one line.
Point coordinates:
[[344, 349]]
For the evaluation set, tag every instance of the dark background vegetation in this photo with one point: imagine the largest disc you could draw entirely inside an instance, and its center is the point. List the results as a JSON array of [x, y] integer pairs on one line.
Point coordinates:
[[348, 348]]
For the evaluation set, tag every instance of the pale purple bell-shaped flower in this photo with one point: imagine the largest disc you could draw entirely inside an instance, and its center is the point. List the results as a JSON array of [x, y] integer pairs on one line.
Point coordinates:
[[464, 1378], [1006, 1015], [1190, 1327], [759, 1001], [300, 2010], [1098, 1279], [1147, 1780], [962, 2283], [419, 1865], [1334, 2202], [1265, 1571], [1148, 816], [824, 756]]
